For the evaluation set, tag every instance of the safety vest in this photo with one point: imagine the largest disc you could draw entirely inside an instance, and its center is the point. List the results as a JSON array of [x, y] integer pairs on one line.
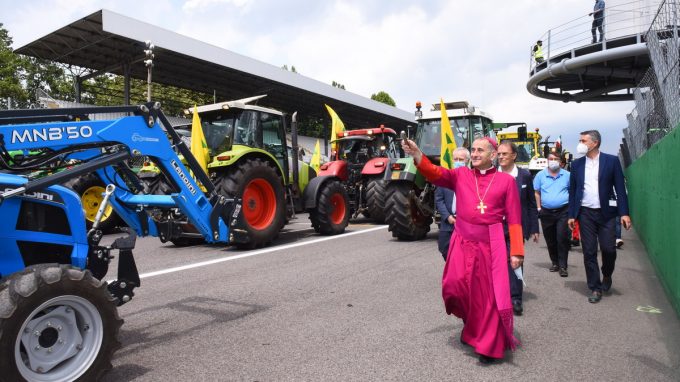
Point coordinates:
[[538, 53]]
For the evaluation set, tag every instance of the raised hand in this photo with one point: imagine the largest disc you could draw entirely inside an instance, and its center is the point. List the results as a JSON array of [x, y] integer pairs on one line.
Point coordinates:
[[411, 149]]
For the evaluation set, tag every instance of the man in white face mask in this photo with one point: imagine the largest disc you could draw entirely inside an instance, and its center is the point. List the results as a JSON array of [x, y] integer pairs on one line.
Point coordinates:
[[445, 202], [552, 198], [597, 195]]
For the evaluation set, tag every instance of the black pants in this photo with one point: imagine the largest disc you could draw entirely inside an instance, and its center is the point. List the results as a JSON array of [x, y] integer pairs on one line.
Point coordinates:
[[516, 285], [444, 241], [598, 24], [556, 233], [595, 228]]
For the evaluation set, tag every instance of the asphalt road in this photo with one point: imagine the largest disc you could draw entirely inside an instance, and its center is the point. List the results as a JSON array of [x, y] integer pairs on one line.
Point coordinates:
[[365, 307]]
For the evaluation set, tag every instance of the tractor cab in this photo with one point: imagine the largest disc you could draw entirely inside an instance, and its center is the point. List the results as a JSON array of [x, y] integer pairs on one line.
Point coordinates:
[[234, 127], [359, 146], [467, 124], [528, 143], [359, 162]]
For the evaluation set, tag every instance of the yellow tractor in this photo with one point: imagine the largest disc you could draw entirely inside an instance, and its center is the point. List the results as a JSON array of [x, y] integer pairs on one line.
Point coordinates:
[[532, 152]]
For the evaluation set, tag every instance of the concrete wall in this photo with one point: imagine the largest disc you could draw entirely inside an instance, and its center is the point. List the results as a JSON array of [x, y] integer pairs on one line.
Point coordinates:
[[654, 190]]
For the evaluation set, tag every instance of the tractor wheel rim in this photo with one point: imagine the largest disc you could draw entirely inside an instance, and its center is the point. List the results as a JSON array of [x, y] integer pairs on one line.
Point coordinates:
[[338, 208], [59, 340], [91, 199], [259, 204]]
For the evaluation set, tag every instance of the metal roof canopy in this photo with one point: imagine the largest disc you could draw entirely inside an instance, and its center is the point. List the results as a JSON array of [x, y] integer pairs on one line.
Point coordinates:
[[108, 42]]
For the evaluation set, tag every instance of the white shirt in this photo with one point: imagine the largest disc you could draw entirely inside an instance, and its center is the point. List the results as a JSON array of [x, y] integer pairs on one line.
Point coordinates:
[[453, 205], [514, 172], [591, 193]]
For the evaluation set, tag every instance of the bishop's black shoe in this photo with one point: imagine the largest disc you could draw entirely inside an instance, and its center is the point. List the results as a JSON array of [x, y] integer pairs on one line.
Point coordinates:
[[517, 308], [485, 360]]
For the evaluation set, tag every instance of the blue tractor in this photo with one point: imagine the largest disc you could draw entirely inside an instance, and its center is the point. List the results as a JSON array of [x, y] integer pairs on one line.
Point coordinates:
[[58, 318]]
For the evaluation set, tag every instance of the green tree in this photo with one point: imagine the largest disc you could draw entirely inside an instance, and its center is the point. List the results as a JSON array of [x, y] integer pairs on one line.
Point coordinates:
[[292, 68], [311, 127], [109, 90], [10, 70], [383, 97], [48, 76], [338, 85]]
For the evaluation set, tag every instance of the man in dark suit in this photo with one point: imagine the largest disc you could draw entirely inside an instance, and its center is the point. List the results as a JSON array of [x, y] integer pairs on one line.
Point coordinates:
[[597, 195], [507, 154], [445, 202]]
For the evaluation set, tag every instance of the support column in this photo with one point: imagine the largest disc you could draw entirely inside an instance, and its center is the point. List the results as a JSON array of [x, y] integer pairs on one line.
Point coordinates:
[[77, 83], [126, 83]]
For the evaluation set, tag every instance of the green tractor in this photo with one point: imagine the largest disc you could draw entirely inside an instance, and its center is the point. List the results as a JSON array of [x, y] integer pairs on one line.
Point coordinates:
[[409, 197], [250, 160]]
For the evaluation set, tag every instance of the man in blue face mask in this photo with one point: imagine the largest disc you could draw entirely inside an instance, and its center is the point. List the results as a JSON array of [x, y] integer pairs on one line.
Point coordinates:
[[445, 202], [597, 195]]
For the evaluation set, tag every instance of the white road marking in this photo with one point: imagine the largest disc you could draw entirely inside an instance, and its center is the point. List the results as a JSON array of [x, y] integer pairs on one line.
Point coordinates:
[[298, 230], [253, 253]]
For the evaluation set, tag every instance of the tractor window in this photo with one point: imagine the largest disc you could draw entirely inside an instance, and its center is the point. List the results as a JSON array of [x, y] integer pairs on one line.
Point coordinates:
[[246, 129], [385, 146], [488, 128], [394, 149], [460, 127], [476, 127], [356, 150], [525, 151], [217, 134], [272, 134], [428, 137]]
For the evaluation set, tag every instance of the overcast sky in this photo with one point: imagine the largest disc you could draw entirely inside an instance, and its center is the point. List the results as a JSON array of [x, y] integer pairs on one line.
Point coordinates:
[[459, 50]]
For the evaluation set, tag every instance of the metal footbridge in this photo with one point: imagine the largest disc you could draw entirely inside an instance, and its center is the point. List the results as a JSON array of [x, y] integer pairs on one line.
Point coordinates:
[[576, 69]]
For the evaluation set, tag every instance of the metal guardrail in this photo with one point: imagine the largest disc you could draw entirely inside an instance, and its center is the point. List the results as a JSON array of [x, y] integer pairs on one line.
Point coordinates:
[[621, 18]]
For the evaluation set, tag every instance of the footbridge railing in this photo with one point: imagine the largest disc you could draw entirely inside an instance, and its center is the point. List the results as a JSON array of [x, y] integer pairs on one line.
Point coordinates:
[[621, 19]]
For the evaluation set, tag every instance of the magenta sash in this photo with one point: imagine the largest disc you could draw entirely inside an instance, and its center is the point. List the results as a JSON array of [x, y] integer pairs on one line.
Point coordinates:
[[495, 237]]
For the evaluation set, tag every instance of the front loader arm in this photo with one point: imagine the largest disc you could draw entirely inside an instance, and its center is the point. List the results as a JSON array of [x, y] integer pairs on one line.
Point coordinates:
[[103, 146]]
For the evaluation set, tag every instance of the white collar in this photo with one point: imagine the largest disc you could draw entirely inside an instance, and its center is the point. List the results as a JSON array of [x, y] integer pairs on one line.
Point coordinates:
[[514, 172], [596, 159], [483, 172]]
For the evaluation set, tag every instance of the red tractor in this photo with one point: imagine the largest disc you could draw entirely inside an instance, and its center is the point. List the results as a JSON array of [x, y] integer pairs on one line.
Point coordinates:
[[359, 161]]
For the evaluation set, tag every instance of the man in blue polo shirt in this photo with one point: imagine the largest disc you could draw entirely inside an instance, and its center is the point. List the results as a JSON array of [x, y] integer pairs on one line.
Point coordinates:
[[551, 186]]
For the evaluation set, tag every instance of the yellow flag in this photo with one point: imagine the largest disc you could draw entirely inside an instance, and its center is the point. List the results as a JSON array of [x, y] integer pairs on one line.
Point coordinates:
[[336, 126], [448, 144], [198, 146], [315, 162]]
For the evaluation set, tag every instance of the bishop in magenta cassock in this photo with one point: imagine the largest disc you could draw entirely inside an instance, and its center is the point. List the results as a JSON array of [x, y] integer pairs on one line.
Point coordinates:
[[475, 285]]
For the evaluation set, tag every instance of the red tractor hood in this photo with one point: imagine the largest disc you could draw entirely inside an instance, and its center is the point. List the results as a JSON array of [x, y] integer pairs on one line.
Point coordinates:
[[335, 168], [375, 166]]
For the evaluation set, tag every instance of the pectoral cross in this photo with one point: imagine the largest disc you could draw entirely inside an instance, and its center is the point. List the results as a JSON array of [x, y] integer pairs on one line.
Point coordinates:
[[481, 207]]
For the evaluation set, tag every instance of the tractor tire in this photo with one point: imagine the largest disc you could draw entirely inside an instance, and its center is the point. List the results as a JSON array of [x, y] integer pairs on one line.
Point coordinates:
[[405, 221], [331, 214], [263, 200], [157, 184], [375, 200], [57, 323], [90, 189]]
